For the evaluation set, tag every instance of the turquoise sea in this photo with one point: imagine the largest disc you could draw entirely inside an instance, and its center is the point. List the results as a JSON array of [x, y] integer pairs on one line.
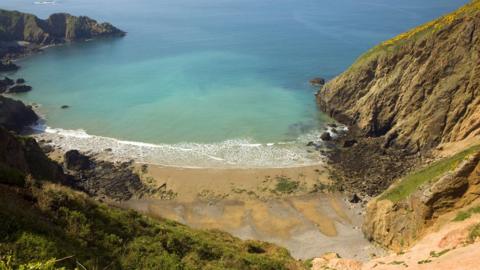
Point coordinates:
[[224, 78]]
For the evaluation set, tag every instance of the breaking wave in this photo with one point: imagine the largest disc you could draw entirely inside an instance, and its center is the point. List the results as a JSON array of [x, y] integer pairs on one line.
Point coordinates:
[[235, 153]]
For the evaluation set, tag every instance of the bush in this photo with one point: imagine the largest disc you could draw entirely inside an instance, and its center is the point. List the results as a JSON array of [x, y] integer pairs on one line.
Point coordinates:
[[11, 176]]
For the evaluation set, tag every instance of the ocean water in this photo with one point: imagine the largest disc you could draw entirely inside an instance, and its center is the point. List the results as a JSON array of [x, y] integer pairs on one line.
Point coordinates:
[[224, 78]]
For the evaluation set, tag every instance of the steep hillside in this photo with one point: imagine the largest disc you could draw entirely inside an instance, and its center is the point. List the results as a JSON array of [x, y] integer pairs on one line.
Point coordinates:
[[400, 216], [416, 90], [43, 221]]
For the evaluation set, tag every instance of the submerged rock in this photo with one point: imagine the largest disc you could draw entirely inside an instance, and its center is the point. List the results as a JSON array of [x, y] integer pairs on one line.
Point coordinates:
[[65, 107], [20, 81]]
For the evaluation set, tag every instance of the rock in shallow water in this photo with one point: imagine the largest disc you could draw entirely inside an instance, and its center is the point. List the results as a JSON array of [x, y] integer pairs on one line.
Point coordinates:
[[19, 89], [317, 81]]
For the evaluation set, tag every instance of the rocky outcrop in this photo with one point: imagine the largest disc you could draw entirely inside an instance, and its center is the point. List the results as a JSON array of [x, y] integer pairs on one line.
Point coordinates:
[[22, 156], [22, 32], [5, 83], [7, 66], [398, 224], [14, 115], [103, 179], [58, 28], [19, 88], [417, 90]]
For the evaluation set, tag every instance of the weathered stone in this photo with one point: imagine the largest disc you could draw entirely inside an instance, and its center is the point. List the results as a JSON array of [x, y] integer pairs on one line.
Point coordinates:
[[14, 115]]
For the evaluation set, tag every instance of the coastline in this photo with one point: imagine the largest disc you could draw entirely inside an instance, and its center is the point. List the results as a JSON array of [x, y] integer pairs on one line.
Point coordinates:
[[230, 154]]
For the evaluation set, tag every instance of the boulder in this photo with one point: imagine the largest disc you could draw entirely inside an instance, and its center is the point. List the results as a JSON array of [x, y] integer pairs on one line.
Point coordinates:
[[354, 198], [326, 136], [65, 107], [74, 160], [317, 81], [20, 81]]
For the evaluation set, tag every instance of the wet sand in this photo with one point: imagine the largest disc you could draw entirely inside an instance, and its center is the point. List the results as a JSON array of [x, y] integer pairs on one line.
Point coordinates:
[[211, 184], [307, 225], [248, 203]]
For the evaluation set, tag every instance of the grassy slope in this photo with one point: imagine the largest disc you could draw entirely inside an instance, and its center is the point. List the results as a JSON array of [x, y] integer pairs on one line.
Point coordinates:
[[430, 174], [41, 223], [418, 32]]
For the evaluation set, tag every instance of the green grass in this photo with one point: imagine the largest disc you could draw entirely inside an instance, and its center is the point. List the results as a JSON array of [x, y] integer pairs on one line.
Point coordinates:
[[474, 233], [430, 174], [463, 215], [424, 261], [38, 224], [286, 185], [438, 254]]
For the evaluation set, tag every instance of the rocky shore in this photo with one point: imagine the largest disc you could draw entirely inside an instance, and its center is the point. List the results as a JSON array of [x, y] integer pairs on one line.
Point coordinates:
[[23, 33]]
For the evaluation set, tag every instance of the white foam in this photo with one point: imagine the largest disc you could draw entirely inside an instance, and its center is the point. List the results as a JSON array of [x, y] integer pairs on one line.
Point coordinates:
[[237, 153], [45, 2]]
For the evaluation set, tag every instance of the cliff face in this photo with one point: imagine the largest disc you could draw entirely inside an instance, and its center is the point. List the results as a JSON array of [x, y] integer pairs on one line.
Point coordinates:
[[417, 90], [399, 218], [58, 28]]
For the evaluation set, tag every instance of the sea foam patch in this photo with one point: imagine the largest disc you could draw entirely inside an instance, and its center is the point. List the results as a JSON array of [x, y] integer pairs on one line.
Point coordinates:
[[235, 153]]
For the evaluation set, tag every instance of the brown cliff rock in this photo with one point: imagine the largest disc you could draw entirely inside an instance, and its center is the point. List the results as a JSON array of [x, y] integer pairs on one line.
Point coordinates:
[[417, 90]]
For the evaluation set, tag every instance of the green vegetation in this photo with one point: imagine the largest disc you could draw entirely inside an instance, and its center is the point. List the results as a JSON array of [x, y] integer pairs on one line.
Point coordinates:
[[11, 176], [438, 254], [39, 224], [6, 264], [424, 261], [286, 185], [417, 33], [430, 174], [463, 215], [474, 233]]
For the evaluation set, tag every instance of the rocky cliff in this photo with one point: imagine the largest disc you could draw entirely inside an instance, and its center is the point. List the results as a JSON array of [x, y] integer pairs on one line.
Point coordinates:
[[16, 28], [58, 28], [402, 99], [416, 90], [400, 216]]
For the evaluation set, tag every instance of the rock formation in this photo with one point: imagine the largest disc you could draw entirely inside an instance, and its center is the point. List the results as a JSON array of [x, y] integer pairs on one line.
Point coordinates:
[[22, 32], [397, 224], [417, 90], [14, 115], [58, 28], [102, 179]]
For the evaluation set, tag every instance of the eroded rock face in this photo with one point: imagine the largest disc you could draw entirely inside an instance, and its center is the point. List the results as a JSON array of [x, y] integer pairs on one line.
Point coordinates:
[[397, 225], [58, 28], [419, 92], [103, 179], [14, 115]]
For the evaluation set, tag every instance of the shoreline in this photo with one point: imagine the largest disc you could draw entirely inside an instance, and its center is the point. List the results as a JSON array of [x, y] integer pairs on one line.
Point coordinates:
[[306, 150]]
